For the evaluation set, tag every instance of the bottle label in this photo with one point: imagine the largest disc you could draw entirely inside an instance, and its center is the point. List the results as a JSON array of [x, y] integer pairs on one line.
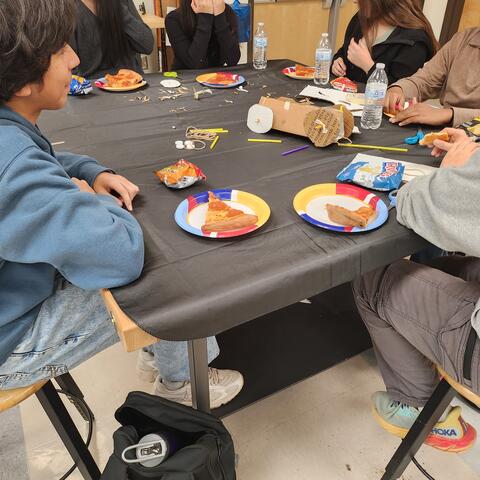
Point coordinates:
[[323, 55], [260, 42], [375, 92]]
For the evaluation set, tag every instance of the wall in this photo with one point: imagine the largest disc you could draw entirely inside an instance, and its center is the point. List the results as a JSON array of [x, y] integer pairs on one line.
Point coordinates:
[[294, 28], [471, 15], [435, 12]]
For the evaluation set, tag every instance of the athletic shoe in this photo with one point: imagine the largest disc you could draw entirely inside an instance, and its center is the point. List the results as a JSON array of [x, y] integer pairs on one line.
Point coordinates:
[[146, 369], [225, 385], [451, 433]]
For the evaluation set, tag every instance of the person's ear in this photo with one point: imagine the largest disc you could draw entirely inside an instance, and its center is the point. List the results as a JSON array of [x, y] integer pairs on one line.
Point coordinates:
[[25, 91]]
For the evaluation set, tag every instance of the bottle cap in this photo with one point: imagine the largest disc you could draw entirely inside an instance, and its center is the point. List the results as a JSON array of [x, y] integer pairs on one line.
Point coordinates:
[[260, 24], [324, 34], [381, 66]]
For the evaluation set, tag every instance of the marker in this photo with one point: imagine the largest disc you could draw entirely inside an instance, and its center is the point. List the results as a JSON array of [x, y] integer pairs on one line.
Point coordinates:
[[212, 146], [298, 149], [259, 140], [373, 147]]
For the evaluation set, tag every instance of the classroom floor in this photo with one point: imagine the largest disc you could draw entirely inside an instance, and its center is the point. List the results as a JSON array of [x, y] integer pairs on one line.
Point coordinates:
[[320, 428]]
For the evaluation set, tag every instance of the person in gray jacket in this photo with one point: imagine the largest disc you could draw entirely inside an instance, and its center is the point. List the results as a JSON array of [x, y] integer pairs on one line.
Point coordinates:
[[420, 316], [109, 35]]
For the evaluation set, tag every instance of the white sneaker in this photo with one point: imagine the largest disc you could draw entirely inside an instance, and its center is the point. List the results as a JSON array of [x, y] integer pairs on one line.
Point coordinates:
[[146, 369], [225, 385]]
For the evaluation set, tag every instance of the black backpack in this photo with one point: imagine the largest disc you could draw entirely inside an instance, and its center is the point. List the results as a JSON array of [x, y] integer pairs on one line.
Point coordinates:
[[208, 453]]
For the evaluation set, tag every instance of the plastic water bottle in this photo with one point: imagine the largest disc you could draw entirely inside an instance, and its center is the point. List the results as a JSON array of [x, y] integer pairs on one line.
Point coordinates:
[[323, 59], [374, 98], [260, 43]]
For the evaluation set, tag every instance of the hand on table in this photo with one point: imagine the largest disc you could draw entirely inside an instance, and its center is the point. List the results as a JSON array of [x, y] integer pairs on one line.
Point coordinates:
[[202, 6], [394, 100], [83, 185], [456, 136], [339, 69], [107, 182], [218, 7], [459, 153], [423, 113], [359, 55]]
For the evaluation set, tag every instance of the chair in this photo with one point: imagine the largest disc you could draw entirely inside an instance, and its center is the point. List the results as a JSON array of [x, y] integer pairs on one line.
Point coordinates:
[[429, 416], [59, 417]]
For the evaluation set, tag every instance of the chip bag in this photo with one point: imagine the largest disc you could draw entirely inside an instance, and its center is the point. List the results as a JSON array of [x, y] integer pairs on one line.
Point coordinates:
[[373, 172], [80, 86], [180, 175]]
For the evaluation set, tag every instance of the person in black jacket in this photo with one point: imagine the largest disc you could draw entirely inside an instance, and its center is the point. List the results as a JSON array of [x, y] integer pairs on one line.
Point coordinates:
[[393, 32], [109, 35], [203, 34]]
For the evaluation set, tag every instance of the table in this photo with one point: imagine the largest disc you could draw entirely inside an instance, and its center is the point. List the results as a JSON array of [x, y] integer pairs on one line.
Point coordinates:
[[193, 287]]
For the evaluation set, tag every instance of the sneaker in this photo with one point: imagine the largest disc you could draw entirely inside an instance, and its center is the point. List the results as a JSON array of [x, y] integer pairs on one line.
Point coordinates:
[[451, 433], [146, 369], [225, 385]]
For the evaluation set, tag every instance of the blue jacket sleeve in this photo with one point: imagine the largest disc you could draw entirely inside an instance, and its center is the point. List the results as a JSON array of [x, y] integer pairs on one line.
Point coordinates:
[[45, 218], [81, 166]]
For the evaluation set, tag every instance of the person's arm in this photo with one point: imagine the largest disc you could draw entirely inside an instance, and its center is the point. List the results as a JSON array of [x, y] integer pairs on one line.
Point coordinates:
[[139, 34], [227, 40], [429, 81], [192, 53], [442, 207], [45, 218], [81, 166], [342, 51]]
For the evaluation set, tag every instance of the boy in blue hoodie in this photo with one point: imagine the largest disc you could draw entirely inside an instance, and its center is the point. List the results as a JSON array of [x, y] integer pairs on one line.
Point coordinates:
[[63, 234]]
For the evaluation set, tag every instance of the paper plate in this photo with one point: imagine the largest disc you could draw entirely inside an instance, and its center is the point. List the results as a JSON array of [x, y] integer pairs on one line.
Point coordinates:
[[100, 83], [310, 204], [190, 214], [220, 80], [290, 72]]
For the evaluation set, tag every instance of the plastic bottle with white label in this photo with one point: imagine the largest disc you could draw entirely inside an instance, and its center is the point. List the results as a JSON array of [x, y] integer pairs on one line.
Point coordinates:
[[323, 60], [260, 43], [375, 92]]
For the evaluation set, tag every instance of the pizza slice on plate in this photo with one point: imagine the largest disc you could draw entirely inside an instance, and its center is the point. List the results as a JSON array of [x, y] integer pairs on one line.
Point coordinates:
[[222, 218], [302, 71], [351, 218], [124, 78]]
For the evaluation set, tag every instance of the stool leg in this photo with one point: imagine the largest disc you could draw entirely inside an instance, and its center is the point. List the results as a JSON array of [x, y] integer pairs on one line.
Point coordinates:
[[436, 405], [66, 429], [67, 383]]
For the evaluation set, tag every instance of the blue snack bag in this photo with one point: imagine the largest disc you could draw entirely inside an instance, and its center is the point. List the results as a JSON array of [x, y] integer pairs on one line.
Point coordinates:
[[373, 172], [80, 86]]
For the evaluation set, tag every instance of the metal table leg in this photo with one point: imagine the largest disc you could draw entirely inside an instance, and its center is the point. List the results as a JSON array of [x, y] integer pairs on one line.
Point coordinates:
[[333, 22], [198, 358]]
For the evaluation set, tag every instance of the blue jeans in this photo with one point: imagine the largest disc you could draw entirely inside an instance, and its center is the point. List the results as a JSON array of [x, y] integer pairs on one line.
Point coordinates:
[[72, 326]]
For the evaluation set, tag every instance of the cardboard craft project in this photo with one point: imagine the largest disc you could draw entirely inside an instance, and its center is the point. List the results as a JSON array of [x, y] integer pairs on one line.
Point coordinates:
[[322, 125]]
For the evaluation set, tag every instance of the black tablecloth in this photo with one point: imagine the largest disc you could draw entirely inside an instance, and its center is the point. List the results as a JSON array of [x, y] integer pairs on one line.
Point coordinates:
[[192, 287]]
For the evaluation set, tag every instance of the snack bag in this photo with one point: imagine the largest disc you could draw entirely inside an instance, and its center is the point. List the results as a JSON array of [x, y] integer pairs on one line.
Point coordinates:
[[373, 172], [80, 86], [344, 84], [180, 175]]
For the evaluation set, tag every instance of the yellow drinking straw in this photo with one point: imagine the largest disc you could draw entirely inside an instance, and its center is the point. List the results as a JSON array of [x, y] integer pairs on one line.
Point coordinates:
[[260, 140], [373, 147], [212, 146]]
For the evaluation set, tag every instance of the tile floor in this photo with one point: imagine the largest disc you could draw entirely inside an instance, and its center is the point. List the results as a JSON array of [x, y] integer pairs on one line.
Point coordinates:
[[320, 428]]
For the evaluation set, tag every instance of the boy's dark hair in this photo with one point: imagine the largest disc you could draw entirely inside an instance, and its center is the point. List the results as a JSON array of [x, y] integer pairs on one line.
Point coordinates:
[[31, 31]]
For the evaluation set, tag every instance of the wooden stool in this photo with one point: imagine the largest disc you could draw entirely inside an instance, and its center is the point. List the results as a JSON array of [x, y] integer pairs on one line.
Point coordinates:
[[429, 416], [59, 416]]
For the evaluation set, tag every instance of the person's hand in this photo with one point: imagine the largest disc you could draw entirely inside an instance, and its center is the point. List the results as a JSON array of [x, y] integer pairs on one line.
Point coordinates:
[[218, 7], [339, 69], [423, 113], [107, 182], [394, 100], [202, 6], [83, 185], [456, 136], [459, 154], [359, 55]]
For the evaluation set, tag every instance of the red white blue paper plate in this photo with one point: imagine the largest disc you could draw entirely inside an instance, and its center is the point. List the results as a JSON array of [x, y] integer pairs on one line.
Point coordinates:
[[220, 80], [310, 203], [191, 212], [101, 83], [292, 73]]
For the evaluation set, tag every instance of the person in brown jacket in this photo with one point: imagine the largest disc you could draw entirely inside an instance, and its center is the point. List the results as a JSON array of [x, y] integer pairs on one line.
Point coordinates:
[[452, 75]]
